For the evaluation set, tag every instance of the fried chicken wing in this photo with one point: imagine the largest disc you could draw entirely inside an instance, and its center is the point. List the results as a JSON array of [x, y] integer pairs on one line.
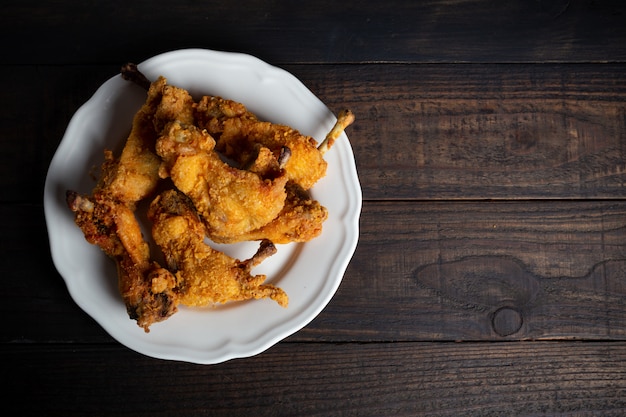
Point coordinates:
[[205, 275], [231, 201]]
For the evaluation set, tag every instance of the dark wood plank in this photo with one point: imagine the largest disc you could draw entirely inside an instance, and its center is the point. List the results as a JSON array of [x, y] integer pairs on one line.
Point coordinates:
[[483, 271], [421, 271], [399, 379], [491, 147], [65, 32], [477, 132], [36, 108], [38, 305], [426, 132]]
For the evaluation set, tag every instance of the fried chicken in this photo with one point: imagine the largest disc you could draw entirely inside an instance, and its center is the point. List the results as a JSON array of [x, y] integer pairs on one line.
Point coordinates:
[[231, 201], [238, 131], [205, 275], [240, 134], [146, 288], [300, 220], [236, 178], [107, 217], [135, 175]]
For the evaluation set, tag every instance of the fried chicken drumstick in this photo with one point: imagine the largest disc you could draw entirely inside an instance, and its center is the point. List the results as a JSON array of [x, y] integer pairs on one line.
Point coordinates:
[[148, 290], [205, 275]]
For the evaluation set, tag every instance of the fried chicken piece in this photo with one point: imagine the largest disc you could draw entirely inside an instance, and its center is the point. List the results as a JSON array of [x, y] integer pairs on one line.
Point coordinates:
[[136, 173], [231, 201], [107, 217], [205, 275], [238, 131], [306, 165], [212, 111], [300, 220], [147, 289]]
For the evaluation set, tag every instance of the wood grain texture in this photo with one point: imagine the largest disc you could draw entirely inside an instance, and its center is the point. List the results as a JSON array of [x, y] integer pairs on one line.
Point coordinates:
[[322, 31], [399, 379], [38, 103], [441, 271], [490, 274], [478, 132]]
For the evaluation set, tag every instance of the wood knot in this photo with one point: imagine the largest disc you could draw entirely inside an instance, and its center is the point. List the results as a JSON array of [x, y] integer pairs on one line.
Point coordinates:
[[506, 321]]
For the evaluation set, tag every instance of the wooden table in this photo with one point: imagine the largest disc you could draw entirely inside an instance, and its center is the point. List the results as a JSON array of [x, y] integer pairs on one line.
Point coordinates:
[[490, 274]]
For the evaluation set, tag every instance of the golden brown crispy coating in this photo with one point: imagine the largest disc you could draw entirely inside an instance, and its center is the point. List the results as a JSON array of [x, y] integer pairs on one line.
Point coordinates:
[[260, 194], [306, 164], [300, 220], [231, 201], [146, 288], [107, 217], [205, 275], [238, 132], [211, 112], [135, 175]]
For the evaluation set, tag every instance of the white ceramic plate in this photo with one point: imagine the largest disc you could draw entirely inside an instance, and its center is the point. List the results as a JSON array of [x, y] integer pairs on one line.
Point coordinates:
[[310, 273]]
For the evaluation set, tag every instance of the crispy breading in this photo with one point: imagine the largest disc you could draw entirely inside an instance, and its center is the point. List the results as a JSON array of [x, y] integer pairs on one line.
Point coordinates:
[[231, 201], [148, 290], [107, 217], [135, 175], [300, 220], [205, 276], [238, 131], [234, 178]]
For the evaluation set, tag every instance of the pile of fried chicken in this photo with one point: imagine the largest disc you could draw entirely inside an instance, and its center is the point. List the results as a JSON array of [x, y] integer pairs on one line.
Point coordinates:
[[207, 169]]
